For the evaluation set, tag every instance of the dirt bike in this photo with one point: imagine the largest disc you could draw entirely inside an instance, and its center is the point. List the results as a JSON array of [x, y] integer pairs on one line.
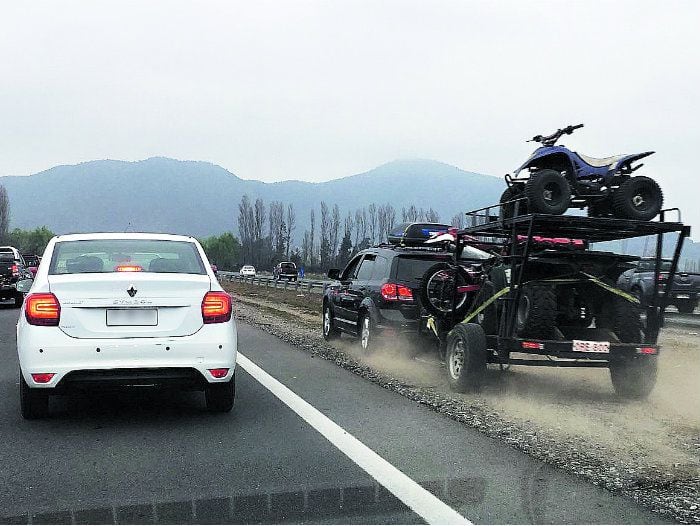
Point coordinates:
[[555, 178]]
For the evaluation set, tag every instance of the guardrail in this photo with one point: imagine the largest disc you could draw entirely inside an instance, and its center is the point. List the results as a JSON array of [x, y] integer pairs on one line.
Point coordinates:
[[305, 285]]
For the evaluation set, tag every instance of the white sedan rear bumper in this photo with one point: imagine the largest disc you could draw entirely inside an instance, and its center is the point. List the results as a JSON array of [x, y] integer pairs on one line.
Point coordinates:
[[50, 350]]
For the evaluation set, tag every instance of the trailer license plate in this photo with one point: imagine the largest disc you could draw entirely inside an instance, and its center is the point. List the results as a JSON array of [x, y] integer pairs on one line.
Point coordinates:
[[588, 346]]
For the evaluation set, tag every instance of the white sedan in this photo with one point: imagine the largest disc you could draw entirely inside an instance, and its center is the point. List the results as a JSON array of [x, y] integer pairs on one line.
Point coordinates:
[[247, 270], [125, 310]]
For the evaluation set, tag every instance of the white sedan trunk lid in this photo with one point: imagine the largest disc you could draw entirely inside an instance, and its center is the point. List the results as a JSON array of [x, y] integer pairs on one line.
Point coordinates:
[[130, 304]]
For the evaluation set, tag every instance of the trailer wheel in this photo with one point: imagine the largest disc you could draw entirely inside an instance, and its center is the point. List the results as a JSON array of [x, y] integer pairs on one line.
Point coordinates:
[[686, 306], [548, 192], [508, 210], [638, 198], [628, 321], [537, 311], [633, 376], [466, 357]]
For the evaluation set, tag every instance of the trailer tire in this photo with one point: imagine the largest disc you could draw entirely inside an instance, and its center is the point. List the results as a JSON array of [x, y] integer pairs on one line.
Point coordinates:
[[466, 357], [548, 192], [638, 198], [633, 376], [628, 321], [537, 311], [686, 306]]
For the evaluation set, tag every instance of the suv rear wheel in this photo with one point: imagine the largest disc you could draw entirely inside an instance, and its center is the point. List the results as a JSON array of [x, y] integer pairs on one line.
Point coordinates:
[[330, 332], [367, 334]]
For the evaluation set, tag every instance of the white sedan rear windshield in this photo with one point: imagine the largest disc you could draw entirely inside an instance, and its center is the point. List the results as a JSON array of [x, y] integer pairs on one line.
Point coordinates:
[[125, 255]]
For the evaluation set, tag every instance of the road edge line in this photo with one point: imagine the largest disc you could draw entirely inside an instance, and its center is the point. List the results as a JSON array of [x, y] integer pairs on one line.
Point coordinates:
[[408, 491]]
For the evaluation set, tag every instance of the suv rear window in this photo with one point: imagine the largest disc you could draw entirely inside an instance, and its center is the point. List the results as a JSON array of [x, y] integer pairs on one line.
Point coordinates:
[[113, 255], [288, 266], [411, 270]]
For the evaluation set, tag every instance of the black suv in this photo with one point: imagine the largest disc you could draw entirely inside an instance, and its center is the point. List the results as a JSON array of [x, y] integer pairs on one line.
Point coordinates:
[[378, 291]]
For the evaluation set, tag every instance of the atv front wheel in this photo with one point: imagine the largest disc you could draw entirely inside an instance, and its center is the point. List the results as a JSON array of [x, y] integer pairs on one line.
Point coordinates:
[[548, 192], [638, 198], [509, 209]]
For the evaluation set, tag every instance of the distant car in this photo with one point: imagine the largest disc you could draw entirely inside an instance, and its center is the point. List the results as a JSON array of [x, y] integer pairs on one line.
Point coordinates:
[[215, 269], [32, 261], [13, 275], [247, 270], [285, 270], [125, 310], [640, 281]]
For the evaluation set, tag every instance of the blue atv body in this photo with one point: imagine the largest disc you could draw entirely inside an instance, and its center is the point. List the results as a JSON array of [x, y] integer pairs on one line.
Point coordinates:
[[555, 178]]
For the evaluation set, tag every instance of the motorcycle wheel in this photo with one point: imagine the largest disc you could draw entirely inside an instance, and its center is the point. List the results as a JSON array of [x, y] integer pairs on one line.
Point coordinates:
[[548, 192], [638, 198]]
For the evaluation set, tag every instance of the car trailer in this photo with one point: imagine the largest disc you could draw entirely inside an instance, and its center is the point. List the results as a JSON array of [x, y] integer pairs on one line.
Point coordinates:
[[632, 363]]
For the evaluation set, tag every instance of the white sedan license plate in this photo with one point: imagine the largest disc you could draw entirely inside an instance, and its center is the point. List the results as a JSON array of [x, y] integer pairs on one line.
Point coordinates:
[[132, 317], [590, 346]]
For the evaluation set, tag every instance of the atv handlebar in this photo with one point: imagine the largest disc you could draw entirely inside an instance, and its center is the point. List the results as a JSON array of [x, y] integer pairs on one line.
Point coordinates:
[[549, 140]]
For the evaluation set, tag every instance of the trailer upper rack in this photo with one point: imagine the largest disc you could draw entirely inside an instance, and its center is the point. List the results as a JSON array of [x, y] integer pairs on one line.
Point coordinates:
[[593, 229]]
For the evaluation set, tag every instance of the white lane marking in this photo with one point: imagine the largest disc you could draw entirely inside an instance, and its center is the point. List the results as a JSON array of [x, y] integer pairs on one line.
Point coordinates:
[[412, 494]]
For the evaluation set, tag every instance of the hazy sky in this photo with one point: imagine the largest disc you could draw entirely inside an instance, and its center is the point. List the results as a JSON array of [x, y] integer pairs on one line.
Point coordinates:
[[319, 90]]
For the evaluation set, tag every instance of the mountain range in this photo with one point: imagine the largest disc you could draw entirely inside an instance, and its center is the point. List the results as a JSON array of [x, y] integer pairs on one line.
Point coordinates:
[[200, 199]]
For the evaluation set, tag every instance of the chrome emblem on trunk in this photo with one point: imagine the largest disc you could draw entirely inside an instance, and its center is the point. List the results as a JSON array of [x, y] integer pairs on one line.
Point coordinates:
[[131, 291]]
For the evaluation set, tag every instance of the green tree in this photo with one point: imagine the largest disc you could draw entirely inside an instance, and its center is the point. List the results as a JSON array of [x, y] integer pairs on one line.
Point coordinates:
[[224, 251], [30, 241]]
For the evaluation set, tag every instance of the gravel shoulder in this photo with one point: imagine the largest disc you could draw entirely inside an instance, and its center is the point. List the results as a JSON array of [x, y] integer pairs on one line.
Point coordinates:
[[570, 418]]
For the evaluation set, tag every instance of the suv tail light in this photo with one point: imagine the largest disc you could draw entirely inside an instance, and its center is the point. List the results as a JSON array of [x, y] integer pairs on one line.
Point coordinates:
[[42, 308], [216, 307], [394, 292], [15, 270]]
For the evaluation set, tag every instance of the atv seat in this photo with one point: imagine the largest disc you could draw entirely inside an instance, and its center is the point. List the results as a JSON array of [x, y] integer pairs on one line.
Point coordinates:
[[600, 163]]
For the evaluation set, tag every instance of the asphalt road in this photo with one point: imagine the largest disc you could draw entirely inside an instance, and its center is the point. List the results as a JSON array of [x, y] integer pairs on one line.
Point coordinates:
[[145, 457]]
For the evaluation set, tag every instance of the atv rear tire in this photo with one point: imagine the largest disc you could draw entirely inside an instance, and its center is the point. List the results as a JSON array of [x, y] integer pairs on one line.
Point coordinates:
[[508, 210], [638, 198], [466, 357], [548, 192], [537, 311]]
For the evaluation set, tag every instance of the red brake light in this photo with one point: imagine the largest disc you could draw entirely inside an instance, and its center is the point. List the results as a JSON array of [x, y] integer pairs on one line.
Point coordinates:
[[646, 350], [128, 268], [42, 308], [661, 278], [388, 292], [405, 293], [42, 378], [532, 345], [394, 292], [216, 307], [15, 270], [218, 373]]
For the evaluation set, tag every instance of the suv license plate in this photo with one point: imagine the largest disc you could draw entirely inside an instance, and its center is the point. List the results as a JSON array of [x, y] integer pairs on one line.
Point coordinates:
[[683, 296], [132, 317], [590, 346]]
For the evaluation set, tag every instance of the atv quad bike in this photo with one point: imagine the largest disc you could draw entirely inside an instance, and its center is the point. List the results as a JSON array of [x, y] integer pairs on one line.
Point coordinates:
[[555, 178]]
